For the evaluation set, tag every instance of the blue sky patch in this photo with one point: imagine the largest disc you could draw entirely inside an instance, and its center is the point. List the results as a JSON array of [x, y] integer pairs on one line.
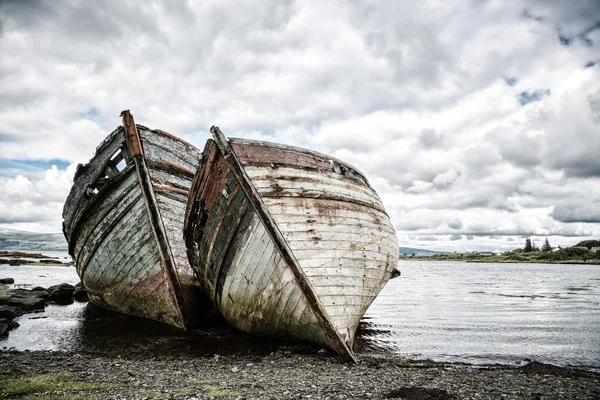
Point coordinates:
[[93, 114], [530, 97], [6, 137], [510, 81], [12, 168], [590, 64]]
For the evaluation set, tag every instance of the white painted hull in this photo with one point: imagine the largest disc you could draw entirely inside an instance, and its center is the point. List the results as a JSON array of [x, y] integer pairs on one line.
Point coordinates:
[[286, 242]]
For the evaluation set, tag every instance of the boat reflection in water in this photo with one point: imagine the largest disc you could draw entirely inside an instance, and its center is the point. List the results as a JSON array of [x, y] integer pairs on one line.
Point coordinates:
[[93, 329]]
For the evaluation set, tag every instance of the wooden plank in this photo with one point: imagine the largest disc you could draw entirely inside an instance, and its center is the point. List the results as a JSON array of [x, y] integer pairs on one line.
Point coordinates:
[[95, 244], [168, 188], [251, 296], [235, 245], [159, 149], [261, 153], [189, 172], [323, 208], [313, 194], [222, 230], [169, 176], [85, 176], [233, 230], [253, 236], [114, 247], [101, 216], [291, 177], [325, 224], [176, 138]]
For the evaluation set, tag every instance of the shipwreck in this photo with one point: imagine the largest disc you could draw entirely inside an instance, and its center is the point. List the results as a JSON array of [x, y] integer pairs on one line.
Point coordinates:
[[287, 242], [123, 220]]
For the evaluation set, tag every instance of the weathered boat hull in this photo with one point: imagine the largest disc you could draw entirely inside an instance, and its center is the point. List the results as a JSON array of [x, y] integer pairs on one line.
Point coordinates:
[[123, 220], [287, 242]]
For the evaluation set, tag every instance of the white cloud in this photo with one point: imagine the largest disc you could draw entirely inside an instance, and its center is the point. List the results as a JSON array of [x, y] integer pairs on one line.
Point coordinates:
[[424, 97], [35, 204]]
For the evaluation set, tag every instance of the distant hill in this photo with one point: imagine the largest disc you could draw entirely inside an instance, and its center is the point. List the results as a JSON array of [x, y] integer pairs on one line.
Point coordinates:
[[410, 250], [11, 239]]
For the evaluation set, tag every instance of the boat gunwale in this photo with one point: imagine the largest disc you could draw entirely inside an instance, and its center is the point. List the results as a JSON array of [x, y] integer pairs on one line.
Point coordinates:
[[302, 150], [162, 132]]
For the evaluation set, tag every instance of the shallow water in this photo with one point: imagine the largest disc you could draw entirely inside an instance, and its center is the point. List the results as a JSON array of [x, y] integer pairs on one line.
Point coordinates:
[[29, 276], [444, 311], [489, 313]]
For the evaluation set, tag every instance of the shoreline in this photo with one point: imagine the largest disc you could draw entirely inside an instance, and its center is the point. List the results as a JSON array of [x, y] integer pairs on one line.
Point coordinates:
[[496, 261], [285, 374]]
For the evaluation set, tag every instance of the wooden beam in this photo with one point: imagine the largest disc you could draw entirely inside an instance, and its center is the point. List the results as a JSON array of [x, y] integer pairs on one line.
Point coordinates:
[[171, 136], [134, 145], [178, 167], [168, 188]]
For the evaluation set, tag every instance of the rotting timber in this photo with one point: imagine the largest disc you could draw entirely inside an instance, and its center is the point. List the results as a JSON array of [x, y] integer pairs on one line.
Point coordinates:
[[123, 220], [287, 242]]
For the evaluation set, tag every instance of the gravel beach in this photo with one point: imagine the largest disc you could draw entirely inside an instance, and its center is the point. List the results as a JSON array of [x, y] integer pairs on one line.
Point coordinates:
[[124, 357], [293, 374]]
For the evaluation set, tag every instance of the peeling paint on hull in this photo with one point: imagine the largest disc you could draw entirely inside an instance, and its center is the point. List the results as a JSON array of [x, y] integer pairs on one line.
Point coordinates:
[[123, 220], [287, 242]]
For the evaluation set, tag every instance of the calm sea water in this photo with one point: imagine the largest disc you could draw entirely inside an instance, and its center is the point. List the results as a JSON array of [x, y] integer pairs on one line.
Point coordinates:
[[444, 311], [490, 313]]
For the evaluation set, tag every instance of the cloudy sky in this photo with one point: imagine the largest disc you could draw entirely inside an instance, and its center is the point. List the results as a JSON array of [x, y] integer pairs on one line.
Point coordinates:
[[478, 122]]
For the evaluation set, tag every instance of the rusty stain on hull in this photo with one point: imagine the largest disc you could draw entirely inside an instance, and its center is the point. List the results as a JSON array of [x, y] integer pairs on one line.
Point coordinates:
[[287, 242], [123, 220]]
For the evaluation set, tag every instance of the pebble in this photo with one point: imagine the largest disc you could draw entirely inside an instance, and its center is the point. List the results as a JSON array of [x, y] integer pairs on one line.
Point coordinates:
[[187, 377]]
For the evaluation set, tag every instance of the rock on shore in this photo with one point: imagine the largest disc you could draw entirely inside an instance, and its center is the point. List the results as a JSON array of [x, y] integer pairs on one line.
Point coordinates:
[[61, 294], [16, 302]]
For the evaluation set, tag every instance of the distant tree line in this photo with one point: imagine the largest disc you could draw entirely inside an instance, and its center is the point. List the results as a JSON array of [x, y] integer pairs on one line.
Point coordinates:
[[531, 246], [589, 244], [581, 251]]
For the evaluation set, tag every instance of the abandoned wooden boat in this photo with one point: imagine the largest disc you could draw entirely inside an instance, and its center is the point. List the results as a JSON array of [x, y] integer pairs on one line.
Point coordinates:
[[123, 220], [287, 242]]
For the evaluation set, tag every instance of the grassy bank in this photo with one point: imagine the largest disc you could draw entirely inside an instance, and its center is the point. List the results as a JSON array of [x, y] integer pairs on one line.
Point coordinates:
[[561, 256]]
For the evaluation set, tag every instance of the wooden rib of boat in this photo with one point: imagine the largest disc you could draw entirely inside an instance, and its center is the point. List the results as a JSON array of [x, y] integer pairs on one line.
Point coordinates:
[[123, 220], [287, 242]]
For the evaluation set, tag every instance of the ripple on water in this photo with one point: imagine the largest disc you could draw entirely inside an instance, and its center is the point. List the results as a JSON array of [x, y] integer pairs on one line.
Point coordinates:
[[444, 311]]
